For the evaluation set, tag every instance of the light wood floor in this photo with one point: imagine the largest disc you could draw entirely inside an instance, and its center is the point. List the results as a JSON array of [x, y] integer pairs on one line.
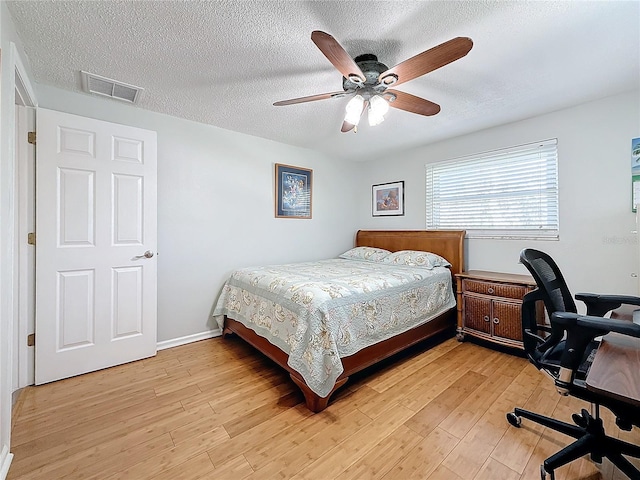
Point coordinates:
[[217, 409]]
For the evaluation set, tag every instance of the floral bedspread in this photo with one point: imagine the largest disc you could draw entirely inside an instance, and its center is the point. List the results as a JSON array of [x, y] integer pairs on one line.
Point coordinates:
[[319, 312]]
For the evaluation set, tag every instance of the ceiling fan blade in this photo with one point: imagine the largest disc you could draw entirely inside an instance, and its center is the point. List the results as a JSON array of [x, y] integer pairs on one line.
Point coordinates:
[[428, 61], [411, 103], [338, 56], [312, 98]]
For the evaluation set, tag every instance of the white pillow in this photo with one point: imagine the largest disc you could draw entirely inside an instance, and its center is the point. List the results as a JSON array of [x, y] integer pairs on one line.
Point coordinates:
[[370, 254], [415, 258]]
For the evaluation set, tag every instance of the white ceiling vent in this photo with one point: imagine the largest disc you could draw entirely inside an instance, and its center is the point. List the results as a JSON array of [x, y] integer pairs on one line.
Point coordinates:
[[92, 83]]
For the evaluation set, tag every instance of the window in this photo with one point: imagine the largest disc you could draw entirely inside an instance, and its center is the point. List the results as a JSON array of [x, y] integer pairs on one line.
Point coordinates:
[[501, 194]]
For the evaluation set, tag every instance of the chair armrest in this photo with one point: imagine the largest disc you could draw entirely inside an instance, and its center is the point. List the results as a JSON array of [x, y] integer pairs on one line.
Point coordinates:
[[612, 325], [627, 299], [598, 325], [598, 305]]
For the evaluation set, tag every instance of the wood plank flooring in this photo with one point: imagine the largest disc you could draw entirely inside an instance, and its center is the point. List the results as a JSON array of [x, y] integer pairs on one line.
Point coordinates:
[[217, 409]]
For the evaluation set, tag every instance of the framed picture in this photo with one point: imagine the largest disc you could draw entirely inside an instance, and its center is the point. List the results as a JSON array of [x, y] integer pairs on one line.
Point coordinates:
[[293, 191], [388, 199]]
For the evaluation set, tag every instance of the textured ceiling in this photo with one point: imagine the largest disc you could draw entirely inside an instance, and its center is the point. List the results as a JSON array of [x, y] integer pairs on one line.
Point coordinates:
[[224, 63]]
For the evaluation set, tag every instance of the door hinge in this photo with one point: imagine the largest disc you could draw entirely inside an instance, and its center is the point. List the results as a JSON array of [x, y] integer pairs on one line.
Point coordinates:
[[31, 340], [31, 238], [31, 138]]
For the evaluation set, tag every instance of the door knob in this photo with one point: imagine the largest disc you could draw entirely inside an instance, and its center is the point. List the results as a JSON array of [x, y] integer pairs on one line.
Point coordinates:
[[147, 254]]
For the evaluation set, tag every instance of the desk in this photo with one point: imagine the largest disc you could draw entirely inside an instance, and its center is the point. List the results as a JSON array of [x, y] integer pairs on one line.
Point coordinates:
[[627, 312], [615, 371]]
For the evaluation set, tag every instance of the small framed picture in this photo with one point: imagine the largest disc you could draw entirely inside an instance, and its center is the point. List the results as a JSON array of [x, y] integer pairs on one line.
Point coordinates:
[[388, 199], [293, 191]]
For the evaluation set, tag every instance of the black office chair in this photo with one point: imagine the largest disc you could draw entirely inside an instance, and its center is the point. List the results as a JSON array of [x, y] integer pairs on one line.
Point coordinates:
[[564, 348]]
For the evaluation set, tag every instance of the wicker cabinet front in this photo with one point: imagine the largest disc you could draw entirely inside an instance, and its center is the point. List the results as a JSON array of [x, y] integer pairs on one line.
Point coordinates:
[[494, 289], [477, 313], [489, 306], [506, 320]]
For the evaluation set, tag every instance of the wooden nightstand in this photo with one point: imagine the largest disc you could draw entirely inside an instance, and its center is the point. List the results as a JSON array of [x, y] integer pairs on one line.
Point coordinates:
[[489, 306]]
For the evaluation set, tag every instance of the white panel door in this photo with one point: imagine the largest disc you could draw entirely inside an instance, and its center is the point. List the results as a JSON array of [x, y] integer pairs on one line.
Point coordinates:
[[96, 234]]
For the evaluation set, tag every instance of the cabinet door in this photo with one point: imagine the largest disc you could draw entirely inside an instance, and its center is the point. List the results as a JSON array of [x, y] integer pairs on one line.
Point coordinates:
[[506, 320], [477, 313]]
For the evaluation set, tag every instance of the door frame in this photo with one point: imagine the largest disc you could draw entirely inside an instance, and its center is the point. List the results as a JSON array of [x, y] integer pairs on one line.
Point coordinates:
[[25, 253], [25, 177]]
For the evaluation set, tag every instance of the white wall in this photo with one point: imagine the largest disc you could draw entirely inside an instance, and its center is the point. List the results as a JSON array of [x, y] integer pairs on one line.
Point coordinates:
[[216, 206], [596, 251]]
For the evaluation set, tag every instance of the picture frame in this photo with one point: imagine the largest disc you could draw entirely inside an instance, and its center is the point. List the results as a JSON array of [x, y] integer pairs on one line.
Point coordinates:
[[293, 191], [388, 199]]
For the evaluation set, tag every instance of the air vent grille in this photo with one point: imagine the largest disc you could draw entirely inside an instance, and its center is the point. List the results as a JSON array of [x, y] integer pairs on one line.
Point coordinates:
[[92, 83]]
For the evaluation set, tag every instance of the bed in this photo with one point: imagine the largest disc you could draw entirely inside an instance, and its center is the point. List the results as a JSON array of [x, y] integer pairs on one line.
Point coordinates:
[[324, 321]]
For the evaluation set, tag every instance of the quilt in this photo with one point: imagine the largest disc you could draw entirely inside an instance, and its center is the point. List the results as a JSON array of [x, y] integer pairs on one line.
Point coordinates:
[[319, 312]]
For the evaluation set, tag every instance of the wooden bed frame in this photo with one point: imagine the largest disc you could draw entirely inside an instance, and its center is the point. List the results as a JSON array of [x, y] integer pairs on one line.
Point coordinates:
[[449, 244]]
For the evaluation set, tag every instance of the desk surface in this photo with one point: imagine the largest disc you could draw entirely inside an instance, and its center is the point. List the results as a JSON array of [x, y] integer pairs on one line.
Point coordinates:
[[616, 368]]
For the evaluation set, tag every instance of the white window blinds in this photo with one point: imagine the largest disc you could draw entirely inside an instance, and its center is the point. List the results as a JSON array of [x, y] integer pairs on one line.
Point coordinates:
[[505, 193]]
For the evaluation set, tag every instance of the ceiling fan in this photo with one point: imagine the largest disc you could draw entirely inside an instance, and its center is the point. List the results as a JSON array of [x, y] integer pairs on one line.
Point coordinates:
[[367, 80]]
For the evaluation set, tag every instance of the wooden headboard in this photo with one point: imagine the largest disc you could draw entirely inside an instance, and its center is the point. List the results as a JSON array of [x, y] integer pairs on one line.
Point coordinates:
[[446, 243]]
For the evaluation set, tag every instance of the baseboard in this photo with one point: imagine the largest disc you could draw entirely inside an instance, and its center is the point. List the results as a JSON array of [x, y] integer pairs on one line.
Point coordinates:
[[5, 461], [176, 342], [15, 396]]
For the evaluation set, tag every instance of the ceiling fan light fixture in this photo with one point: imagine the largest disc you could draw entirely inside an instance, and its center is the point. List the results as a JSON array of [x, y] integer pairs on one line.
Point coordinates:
[[375, 119], [378, 107], [354, 110]]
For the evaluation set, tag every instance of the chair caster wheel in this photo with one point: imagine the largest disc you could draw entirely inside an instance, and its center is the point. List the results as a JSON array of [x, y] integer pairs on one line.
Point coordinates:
[[544, 473], [582, 419], [578, 420], [514, 420]]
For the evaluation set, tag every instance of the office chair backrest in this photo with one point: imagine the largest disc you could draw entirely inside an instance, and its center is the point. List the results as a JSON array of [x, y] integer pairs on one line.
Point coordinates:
[[557, 297], [543, 346]]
